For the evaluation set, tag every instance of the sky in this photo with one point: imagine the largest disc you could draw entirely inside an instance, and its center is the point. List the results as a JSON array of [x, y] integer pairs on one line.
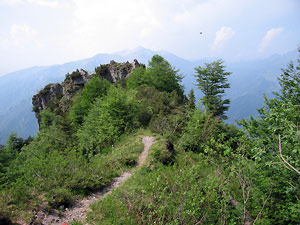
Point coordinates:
[[47, 32]]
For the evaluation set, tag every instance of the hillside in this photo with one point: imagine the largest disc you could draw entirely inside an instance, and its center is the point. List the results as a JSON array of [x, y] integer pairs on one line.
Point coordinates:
[[198, 169], [249, 81]]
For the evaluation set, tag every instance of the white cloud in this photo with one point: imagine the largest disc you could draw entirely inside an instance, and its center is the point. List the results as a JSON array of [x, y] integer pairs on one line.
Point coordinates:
[[21, 34], [111, 25], [267, 39], [174, 25], [45, 3], [222, 35], [12, 2]]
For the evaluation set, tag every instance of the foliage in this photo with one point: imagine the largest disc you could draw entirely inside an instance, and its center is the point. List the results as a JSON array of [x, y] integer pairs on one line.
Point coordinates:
[[164, 77], [96, 88], [9, 153], [280, 116], [199, 170], [59, 176], [109, 118], [191, 100], [212, 81], [137, 78], [189, 192], [198, 131], [159, 74]]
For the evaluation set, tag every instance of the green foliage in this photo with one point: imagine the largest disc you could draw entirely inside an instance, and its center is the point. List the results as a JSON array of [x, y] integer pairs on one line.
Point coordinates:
[[191, 100], [96, 88], [280, 116], [213, 174], [109, 118], [9, 153], [212, 81], [60, 197], [198, 131], [159, 74], [75, 74], [137, 78], [171, 124], [152, 102], [102, 70], [181, 194], [164, 77], [47, 118], [59, 175]]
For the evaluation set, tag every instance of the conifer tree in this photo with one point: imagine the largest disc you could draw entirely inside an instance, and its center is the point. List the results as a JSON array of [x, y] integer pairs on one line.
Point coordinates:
[[212, 81], [191, 101]]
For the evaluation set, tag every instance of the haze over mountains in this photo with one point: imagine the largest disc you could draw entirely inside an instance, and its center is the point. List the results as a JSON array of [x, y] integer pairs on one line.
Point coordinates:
[[249, 81]]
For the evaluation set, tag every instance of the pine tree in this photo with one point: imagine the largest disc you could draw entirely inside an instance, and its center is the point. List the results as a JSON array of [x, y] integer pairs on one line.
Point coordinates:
[[191, 100], [212, 81]]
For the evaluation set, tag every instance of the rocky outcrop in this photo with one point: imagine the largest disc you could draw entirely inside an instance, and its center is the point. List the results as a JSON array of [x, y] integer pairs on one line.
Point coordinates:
[[40, 101], [116, 71], [75, 82], [58, 96]]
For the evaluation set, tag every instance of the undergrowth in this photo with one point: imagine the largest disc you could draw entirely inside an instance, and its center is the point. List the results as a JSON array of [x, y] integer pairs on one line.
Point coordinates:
[[57, 178]]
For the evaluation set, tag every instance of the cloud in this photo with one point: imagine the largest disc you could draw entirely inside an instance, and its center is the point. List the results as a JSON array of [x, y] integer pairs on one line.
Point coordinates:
[[111, 25], [174, 25], [21, 34], [12, 2], [222, 35], [267, 39], [45, 3]]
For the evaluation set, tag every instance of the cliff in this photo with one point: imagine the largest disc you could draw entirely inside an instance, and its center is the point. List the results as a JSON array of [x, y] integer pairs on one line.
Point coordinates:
[[57, 96]]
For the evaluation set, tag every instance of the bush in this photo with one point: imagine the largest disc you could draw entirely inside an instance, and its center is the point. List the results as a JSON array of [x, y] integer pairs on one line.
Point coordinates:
[[60, 197], [108, 120]]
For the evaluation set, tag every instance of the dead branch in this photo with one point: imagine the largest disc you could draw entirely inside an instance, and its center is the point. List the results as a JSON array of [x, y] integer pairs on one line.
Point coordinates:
[[284, 160]]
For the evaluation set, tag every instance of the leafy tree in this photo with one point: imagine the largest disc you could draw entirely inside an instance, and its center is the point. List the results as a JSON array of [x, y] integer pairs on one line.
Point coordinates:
[[164, 77], [198, 131], [159, 74], [9, 152], [97, 87], [212, 81], [191, 100], [47, 118], [109, 118], [276, 144], [137, 78]]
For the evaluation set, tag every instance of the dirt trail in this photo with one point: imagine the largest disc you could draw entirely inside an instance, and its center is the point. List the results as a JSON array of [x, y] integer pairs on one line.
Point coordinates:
[[81, 207]]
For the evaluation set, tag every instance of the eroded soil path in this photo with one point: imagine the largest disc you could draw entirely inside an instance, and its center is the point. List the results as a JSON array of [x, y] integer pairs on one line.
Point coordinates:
[[81, 207]]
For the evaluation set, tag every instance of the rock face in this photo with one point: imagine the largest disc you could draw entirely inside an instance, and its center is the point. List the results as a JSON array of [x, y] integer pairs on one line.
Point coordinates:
[[40, 100], [116, 71], [58, 96], [75, 82]]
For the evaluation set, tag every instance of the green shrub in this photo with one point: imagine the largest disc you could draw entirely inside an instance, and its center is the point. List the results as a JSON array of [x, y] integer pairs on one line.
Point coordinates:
[[109, 118], [60, 197]]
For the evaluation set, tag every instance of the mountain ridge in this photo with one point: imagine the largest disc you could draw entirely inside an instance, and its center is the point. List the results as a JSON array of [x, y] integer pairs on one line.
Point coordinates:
[[17, 88]]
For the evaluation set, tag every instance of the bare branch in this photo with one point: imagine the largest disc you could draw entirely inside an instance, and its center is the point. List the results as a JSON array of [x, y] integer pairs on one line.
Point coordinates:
[[284, 160]]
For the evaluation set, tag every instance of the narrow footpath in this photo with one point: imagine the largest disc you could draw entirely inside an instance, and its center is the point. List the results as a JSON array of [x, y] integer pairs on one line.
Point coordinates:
[[81, 207]]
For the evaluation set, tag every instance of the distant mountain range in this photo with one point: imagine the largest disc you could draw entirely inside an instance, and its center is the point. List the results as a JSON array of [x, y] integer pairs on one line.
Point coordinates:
[[249, 81]]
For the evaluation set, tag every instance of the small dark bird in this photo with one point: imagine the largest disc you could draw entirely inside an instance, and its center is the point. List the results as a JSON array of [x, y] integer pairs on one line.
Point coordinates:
[[200, 32]]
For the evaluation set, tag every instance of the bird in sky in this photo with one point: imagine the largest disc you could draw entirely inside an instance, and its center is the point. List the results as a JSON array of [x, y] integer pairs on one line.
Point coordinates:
[[201, 32]]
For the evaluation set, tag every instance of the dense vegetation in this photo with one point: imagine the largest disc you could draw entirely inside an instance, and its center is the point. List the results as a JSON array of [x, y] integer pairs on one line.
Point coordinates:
[[199, 171]]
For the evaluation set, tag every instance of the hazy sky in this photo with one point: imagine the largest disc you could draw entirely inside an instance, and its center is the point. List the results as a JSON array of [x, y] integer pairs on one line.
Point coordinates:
[[45, 32]]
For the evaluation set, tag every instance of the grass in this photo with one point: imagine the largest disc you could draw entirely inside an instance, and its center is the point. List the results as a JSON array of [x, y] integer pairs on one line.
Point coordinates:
[[186, 192], [65, 176]]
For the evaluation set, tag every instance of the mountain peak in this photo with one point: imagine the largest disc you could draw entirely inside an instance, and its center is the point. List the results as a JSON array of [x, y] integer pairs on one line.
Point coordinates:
[[137, 50]]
